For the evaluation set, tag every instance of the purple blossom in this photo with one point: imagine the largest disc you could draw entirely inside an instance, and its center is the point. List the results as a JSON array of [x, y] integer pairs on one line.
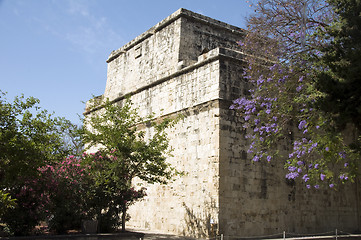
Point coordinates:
[[260, 80], [317, 186], [292, 175], [316, 166], [273, 67], [342, 155], [312, 147], [308, 186], [292, 168], [345, 165], [299, 88], [327, 149], [302, 124], [343, 177], [269, 158], [322, 176], [301, 78], [305, 178], [332, 185], [283, 79], [300, 153]]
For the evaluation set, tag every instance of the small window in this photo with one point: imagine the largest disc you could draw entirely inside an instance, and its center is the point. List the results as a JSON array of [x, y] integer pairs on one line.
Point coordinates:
[[138, 51]]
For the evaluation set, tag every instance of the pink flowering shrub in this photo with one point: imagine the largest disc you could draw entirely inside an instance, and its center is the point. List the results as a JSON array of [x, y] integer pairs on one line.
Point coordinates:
[[63, 190], [66, 192]]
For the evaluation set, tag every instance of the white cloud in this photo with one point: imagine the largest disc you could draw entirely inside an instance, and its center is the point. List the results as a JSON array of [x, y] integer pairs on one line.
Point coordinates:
[[90, 32], [77, 22], [78, 7]]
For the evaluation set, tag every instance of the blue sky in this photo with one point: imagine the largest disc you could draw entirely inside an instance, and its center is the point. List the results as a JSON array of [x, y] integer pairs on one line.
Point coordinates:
[[55, 50]]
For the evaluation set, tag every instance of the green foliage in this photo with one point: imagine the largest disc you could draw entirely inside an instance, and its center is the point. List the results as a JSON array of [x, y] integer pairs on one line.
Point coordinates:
[[107, 192], [6, 202], [30, 138], [23, 218], [115, 130], [340, 72], [293, 97], [129, 146]]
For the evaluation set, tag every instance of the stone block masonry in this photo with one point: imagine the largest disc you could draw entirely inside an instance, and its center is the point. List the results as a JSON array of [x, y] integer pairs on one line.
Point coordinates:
[[190, 64]]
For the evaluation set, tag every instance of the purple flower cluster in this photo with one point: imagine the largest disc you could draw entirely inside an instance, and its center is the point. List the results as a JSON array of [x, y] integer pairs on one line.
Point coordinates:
[[294, 172], [344, 177], [302, 124]]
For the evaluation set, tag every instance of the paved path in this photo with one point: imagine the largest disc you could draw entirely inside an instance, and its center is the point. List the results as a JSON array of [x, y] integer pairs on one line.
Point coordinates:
[[164, 237], [135, 235]]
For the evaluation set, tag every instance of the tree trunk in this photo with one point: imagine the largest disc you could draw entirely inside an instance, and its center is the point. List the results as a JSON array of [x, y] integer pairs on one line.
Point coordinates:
[[124, 215]]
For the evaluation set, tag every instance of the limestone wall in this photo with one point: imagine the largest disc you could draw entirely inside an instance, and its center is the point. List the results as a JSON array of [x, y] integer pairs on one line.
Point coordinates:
[[186, 205], [200, 34], [144, 62], [255, 199], [186, 88]]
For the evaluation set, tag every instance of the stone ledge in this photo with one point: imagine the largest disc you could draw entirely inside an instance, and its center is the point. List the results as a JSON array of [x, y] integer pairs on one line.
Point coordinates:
[[206, 58]]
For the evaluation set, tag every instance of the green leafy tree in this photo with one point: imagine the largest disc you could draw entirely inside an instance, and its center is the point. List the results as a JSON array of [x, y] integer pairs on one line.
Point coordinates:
[[340, 64], [131, 146], [30, 138], [283, 51]]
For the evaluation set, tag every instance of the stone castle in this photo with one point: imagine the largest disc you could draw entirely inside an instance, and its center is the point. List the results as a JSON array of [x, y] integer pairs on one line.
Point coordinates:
[[190, 64]]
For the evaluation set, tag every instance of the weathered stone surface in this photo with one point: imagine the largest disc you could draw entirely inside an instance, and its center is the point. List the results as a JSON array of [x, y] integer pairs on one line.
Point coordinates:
[[190, 64]]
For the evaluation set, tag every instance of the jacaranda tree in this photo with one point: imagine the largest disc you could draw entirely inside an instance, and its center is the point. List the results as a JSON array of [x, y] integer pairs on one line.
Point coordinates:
[[285, 47]]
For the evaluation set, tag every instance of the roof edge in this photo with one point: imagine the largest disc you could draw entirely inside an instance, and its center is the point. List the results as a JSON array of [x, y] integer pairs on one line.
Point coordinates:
[[182, 12]]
